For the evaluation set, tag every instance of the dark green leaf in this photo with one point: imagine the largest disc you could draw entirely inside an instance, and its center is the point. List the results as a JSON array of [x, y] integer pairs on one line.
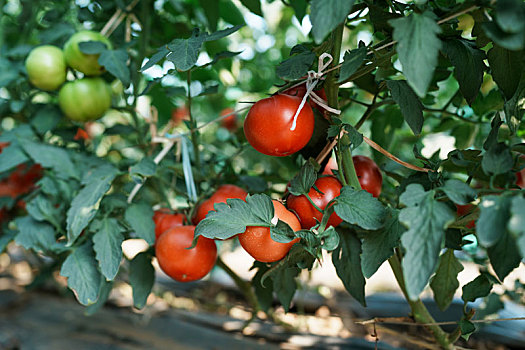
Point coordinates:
[[492, 138], [51, 157], [418, 46], [107, 243], [115, 62], [103, 295], [352, 60], [42, 209], [185, 52], [46, 119], [35, 235], [222, 33], [263, 291], [411, 107], [347, 261], [378, 246], [504, 255], [141, 278], [230, 13], [11, 156], [497, 160], [80, 268], [326, 15], [509, 41], [478, 288], [253, 5], [360, 208], [426, 219], [156, 58], [146, 167], [510, 15], [459, 192], [211, 11], [506, 69], [516, 224], [140, 217], [330, 239], [468, 66], [445, 282], [356, 138], [296, 66], [493, 304], [299, 7], [92, 47], [282, 233], [304, 180], [6, 238], [467, 328], [284, 285], [493, 218]]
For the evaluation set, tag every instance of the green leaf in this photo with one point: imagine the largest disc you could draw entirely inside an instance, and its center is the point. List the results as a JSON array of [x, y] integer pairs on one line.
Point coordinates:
[[254, 6], [282, 233], [115, 62], [42, 209], [299, 6], [141, 278], [347, 261], [459, 192], [263, 291], [411, 107], [223, 33], [510, 15], [107, 243], [485, 104], [478, 288], [92, 47], [230, 13], [426, 219], [304, 180], [509, 41], [185, 52], [231, 218], [418, 47], [467, 328], [493, 305], [296, 66], [12, 156], [51, 157], [497, 160], [468, 66], [284, 285], [493, 218], [83, 278], [86, 203], [211, 11], [103, 295], [506, 69], [146, 167], [445, 282], [156, 58], [516, 224], [6, 238], [46, 118], [356, 138], [504, 256], [35, 235], [352, 61], [378, 246], [360, 208], [140, 217], [325, 15]]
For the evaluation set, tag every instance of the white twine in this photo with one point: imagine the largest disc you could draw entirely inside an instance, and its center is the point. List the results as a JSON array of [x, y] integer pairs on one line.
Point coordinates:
[[311, 82]]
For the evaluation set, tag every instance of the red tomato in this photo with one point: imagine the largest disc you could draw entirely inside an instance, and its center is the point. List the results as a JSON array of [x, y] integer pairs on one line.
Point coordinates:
[[300, 91], [179, 114], [520, 177], [24, 181], [464, 210], [167, 221], [158, 214], [3, 145], [368, 173], [267, 125], [81, 135], [230, 122], [180, 263], [329, 188], [223, 193], [256, 240], [331, 165]]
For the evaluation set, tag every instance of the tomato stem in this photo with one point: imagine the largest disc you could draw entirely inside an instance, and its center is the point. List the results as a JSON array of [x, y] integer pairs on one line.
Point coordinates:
[[312, 203], [193, 124]]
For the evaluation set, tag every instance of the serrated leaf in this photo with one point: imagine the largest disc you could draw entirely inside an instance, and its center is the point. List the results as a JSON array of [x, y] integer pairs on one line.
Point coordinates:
[[51, 157], [107, 243], [146, 167], [296, 66], [378, 246], [304, 180], [35, 235], [141, 278], [156, 58], [253, 5], [445, 282], [504, 256], [325, 15], [360, 208], [352, 60], [478, 288], [85, 204], [493, 218], [83, 278], [418, 47], [140, 217], [426, 220], [506, 69], [497, 160], [231, 218], [222, 33], [459, 192], [408, 102], [115, 62], [468, 66], [347, 262], [185, 52], [11, 156]]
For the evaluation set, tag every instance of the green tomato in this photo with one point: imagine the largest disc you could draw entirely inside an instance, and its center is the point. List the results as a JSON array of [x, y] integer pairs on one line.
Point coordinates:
[[85, 99], [85, 63], [46, 67]]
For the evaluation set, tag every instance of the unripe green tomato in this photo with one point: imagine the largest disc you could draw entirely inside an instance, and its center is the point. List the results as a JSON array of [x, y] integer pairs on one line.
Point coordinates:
[[46, 67], [85, 99], [116, 87], [85, 63]]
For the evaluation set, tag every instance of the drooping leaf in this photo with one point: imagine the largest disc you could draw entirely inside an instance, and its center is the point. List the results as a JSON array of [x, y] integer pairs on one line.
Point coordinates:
[[493, 218], [445, 282], [360, 208], [352, 61], [411, 107], [80, 268], [103, 295], [506, 69], [418, 47], [326, 15], [299, 7], [284, 285], [478, 288], [141, 278], [459, 192], [504, 255], [140, 217], [35, 235], [509, 15], [426, 220], [115, 62], [107, 243]]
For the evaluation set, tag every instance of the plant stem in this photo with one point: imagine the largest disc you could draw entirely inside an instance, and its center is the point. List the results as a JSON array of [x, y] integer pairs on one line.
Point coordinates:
[[419, 310], [193, 123], [244, 286]]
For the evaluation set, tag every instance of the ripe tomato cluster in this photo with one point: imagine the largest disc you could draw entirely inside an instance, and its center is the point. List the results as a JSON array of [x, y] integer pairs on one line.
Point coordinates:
[[83, 99]]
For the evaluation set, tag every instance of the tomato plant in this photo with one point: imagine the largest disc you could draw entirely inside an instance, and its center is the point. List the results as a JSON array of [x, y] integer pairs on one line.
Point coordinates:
[[84, 62], [46, 67], [268, 125], [179, 262], [85, 99], [324, 191]]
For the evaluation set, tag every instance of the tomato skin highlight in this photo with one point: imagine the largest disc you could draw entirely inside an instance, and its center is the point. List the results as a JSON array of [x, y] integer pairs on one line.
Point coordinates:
[[307, 214], [223, 193], [46, 67], [267, 125], [167, 221], [257, 241], [180, 263]]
